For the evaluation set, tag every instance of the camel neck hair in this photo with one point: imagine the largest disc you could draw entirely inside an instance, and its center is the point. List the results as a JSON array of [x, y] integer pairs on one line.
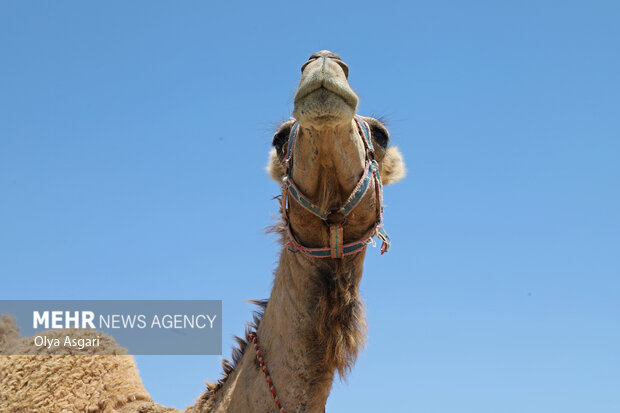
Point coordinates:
[[313, 326]]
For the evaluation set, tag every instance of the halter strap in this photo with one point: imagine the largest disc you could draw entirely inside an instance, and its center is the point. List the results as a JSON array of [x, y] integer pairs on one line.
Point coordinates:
[[366, 132], [289, 151], [370, 170], [337, 248]]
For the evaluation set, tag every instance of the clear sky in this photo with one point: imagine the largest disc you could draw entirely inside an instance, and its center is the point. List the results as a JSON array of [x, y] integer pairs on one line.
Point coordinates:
[[133, 140]]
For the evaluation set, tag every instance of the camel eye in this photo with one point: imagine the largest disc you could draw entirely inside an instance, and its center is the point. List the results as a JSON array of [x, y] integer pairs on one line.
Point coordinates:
[[380, 136], [280, 138]]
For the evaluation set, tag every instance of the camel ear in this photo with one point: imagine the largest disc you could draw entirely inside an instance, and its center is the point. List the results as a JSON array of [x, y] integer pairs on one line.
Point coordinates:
[[275, 167], [393, 166]]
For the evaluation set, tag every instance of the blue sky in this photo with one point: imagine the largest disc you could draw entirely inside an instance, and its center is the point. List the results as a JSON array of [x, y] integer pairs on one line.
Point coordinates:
[[133, 138]]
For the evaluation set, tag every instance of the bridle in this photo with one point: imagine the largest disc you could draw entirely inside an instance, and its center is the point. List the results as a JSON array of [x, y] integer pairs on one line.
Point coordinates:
[[336, 218]]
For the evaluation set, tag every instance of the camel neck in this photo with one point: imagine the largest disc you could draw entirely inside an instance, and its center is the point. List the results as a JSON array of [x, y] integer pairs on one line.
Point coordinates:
[[312, 327]]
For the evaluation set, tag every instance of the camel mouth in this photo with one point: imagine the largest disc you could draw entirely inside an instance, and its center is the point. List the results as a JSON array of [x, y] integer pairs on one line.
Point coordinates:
[[325, 88]]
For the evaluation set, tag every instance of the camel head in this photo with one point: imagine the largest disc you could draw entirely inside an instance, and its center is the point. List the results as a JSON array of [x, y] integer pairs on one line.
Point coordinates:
[[329, 155]]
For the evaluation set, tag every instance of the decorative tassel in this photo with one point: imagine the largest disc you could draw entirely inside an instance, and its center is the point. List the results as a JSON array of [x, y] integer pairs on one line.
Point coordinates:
[[383, 236]]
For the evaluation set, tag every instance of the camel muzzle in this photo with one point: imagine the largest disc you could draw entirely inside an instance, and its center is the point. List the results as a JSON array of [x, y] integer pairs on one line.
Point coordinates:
[[324, 90]]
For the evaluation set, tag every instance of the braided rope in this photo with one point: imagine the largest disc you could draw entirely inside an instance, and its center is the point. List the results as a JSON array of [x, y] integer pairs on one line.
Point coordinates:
[[252, 336]]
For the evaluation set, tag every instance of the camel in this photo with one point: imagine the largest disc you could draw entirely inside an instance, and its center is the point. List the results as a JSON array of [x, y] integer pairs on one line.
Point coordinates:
[[331, 164]]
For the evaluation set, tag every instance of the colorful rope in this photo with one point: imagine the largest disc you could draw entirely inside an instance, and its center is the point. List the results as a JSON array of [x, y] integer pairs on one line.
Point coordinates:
[[254, 338]]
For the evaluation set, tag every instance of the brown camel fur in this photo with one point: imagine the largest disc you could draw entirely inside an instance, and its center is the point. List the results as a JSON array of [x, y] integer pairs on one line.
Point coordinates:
[[313, 324]]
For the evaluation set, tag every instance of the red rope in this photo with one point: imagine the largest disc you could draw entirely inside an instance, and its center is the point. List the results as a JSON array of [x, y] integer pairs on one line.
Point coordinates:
[[252, 336]]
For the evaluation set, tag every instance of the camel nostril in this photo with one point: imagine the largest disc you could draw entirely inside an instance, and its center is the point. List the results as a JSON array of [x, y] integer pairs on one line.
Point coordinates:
[[310, 60], [344, 67]]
